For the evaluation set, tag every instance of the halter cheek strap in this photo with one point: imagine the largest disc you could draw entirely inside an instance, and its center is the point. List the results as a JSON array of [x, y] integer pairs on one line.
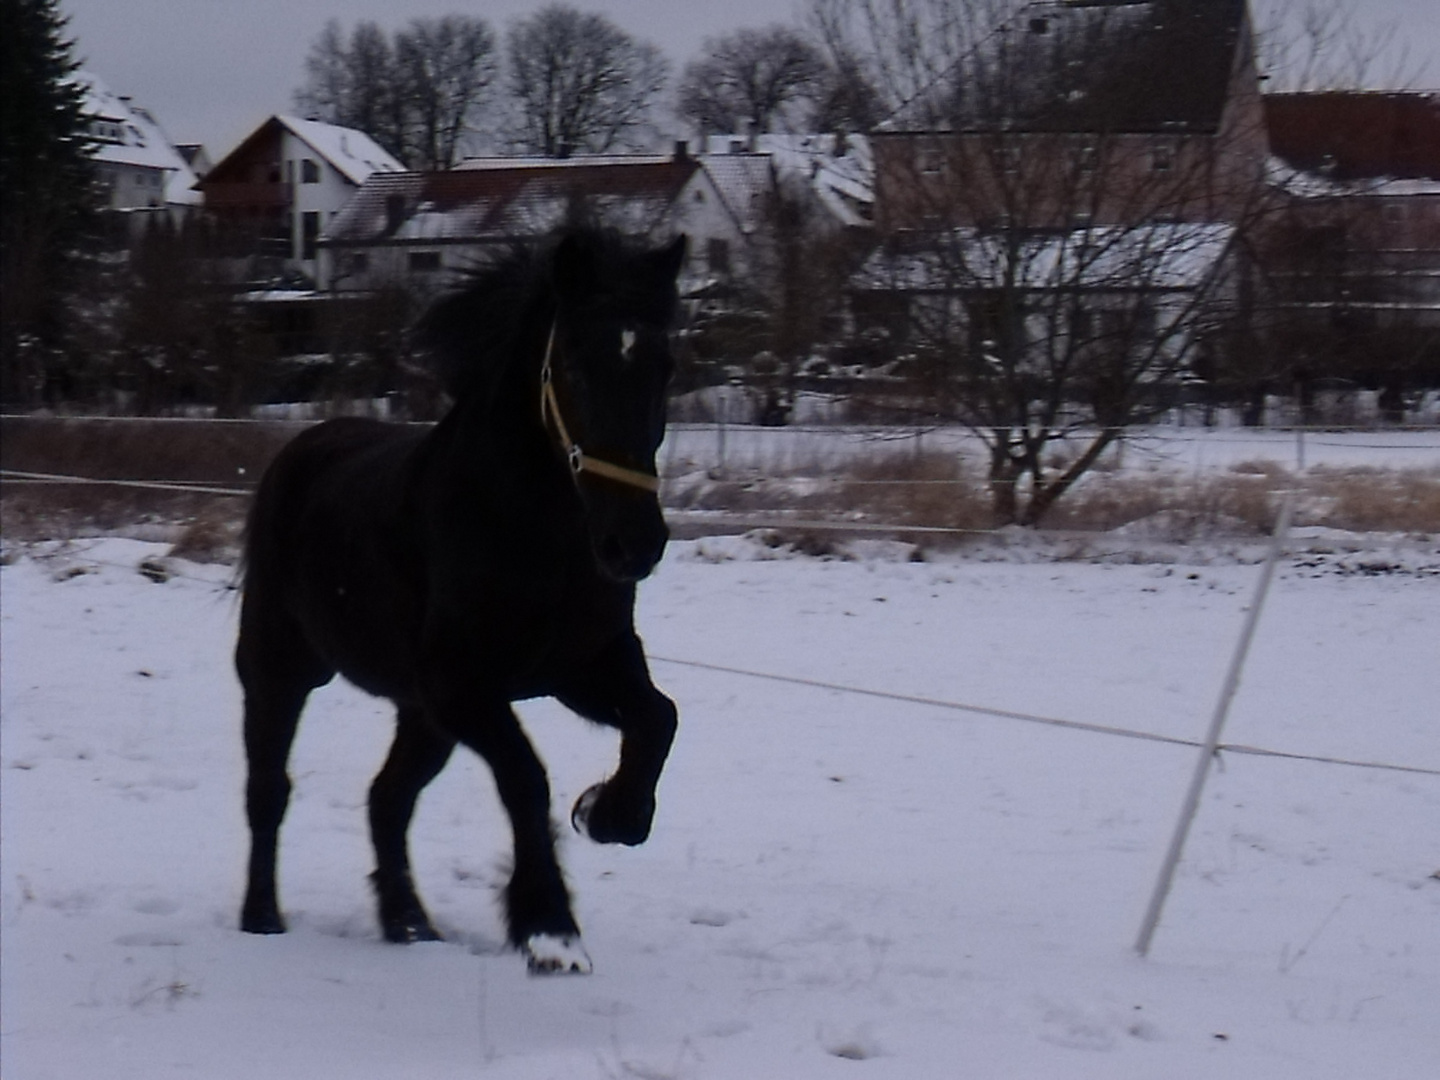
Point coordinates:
[[581, 462]]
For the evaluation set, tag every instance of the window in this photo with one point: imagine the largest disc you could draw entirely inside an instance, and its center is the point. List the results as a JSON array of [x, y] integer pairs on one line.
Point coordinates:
[[717, 255], [309, 171], [309, 233], [424, 261], [932, 157], [1162, 158]]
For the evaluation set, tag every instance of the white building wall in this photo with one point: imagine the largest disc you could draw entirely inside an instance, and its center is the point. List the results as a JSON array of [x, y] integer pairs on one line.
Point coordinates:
[[317, 188]]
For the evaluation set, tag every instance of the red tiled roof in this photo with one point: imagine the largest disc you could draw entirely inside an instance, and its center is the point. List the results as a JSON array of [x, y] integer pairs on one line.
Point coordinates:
[[498, 202], [1355, 135]]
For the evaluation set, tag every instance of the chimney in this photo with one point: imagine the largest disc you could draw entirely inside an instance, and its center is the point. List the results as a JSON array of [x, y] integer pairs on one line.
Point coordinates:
[[682, 149]]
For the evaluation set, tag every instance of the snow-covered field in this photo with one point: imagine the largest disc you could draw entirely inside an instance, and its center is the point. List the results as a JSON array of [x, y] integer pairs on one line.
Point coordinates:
[[838, 885]]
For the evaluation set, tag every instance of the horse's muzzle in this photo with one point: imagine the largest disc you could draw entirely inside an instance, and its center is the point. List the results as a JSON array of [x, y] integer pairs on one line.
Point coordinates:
[[628, 555]]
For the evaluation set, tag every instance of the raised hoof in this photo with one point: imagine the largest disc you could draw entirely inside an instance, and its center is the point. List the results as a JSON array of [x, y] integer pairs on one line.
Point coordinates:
[[595, 817], [556, 954], [580, 814]]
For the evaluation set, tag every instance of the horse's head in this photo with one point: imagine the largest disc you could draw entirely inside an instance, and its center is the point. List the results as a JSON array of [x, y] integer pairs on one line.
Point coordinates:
[[606, 369]]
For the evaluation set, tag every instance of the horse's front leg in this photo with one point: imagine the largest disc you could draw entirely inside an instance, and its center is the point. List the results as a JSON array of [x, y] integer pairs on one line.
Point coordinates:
[[537, 904], [620, 694]]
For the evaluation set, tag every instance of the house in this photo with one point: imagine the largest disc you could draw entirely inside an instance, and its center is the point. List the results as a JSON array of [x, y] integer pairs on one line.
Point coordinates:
[[836, 174], [1352, 258], [1362, 172], [138, 169], [1076, 185], [424, 228], [273, 195], [1078, 112]]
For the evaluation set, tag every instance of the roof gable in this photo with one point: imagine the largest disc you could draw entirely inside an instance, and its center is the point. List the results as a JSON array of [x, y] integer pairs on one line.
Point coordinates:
[[350, 152]]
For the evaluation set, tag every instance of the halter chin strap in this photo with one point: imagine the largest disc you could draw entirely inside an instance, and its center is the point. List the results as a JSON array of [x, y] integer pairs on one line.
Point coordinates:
[[581, 462]]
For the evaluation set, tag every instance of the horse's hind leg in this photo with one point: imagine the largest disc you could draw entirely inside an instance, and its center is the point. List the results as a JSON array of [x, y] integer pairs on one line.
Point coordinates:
[[416, 757], [276, 685]]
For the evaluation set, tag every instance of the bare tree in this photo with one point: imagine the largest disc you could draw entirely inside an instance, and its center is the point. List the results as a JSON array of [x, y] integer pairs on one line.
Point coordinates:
[[1062, 226], [445, 65], [1324, 44], [579, 83], [748, 80], [903, 51], [416, 93]]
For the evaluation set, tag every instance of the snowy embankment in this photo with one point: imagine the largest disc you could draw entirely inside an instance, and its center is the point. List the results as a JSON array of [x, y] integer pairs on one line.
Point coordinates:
[[838, 885]]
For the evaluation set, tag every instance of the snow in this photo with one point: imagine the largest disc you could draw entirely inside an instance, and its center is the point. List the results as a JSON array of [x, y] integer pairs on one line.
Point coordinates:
[[1115, 257], [822, 451], [838, 885], [137, 140], [353, 152]]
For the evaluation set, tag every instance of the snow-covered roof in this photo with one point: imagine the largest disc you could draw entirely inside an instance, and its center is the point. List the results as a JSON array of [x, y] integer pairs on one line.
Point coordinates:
[[503, 202], [127, 134], [1103, 258], [578, 161], [841, 174], [355, 154], [1306, 184]]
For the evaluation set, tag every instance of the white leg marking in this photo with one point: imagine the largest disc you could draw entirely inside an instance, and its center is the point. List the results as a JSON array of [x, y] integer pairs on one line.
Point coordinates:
[[554, 954]]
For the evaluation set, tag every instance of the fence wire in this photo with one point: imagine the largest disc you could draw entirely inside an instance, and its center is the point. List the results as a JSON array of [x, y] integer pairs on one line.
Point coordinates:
[[1033, 718]]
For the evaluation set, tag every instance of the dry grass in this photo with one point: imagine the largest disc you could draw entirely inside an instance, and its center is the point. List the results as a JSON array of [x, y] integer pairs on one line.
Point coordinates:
[[223, 455], [938, 490], [1367, 500], [924, 489]]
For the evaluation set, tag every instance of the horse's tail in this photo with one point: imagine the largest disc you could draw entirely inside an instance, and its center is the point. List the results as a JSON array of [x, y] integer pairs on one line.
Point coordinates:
[[262, 535]]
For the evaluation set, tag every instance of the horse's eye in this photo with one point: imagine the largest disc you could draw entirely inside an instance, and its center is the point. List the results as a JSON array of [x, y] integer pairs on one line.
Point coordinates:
[[627, 342]]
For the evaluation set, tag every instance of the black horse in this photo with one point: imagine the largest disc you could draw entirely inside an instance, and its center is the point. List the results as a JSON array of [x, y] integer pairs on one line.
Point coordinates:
[[490, 559]]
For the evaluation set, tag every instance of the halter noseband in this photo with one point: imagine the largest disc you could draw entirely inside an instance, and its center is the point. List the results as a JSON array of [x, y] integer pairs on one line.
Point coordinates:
[[581, 462]]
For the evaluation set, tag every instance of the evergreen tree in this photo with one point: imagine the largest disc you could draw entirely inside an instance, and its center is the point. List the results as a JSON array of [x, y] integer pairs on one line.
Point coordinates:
[[46, 194]]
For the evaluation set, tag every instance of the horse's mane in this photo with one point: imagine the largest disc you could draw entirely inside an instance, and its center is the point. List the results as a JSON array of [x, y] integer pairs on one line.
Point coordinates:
[[471, 333]]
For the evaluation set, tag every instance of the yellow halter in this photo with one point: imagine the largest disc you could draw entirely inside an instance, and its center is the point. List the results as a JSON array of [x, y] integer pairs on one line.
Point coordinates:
[[581, 462]]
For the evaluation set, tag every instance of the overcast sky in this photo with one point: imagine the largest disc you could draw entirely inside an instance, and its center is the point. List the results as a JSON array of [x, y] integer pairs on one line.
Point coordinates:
[[212, 70]]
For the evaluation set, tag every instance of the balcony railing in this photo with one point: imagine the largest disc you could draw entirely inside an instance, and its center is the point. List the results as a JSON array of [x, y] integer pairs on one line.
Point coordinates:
[[223, 196]]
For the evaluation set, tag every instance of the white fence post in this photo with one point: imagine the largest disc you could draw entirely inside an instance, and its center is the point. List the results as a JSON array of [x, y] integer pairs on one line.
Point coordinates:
[[1212, 738]]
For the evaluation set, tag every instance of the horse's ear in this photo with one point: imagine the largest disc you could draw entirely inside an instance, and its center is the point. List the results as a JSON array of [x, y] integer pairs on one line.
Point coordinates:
[[670, 258], [576, 268]]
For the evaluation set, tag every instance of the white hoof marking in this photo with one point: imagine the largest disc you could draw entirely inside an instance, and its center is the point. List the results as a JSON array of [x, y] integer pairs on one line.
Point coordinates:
[[554, 954]]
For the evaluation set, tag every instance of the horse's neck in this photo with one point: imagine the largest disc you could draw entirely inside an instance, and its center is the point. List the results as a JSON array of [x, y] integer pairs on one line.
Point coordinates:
[[498, 435]]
